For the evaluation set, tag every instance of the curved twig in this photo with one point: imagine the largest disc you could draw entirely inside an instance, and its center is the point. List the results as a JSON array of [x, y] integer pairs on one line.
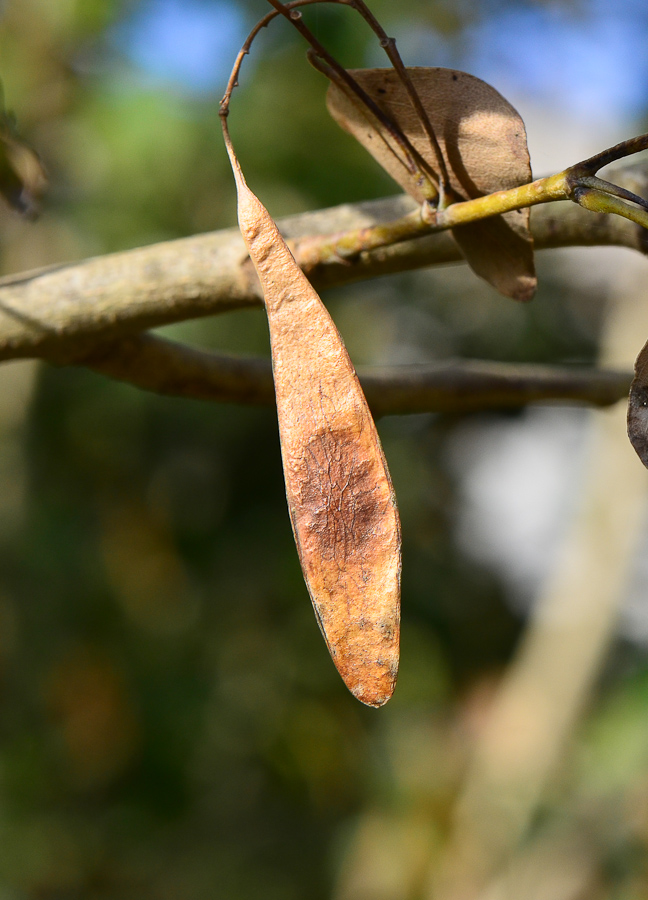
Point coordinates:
[[451, 386], [245, 49], [412, 159], [389, 46], [61, 313]]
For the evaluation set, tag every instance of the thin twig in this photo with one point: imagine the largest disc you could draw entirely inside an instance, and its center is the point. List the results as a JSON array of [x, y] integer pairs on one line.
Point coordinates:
[[421, 167], [597, 195], [607, 202], [616, 190], [452, 386], [245, 49], [413, 161], [612, 154]]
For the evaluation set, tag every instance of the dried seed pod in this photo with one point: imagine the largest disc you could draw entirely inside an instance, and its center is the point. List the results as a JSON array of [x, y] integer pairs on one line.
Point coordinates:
[[340, 496], [483, 142]]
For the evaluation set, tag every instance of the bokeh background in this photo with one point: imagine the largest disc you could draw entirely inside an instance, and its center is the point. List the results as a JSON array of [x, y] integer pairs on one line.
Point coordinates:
[[171, 725]]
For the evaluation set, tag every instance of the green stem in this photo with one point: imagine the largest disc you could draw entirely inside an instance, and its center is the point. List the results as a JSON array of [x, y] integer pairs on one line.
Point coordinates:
[[562, 186], [602, 202], [545, 190], [347, 245], [428, 220]]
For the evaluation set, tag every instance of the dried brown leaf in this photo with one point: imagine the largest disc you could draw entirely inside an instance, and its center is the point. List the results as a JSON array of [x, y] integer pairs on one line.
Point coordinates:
[[483, 142], [638, 407], [340, 496], [22, 175]]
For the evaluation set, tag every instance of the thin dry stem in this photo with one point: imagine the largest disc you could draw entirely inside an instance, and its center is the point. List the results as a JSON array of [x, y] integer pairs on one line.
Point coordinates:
[[612, 154], [605, 202], [245, 49], [414, 163], [412, 160], [389, 46], [61, 313], [165, 367]]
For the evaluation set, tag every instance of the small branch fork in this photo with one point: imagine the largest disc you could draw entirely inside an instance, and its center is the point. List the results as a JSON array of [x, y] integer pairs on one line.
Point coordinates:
[[577, 183]]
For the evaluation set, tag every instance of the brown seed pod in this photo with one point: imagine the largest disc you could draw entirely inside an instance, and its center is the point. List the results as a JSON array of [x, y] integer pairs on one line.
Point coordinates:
[[340, 496]]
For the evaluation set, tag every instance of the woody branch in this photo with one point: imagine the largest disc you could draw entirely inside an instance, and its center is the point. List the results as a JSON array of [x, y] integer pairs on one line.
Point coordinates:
[[78, 313]]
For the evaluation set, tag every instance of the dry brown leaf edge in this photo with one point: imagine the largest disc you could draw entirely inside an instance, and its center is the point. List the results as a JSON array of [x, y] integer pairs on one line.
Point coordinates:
[[483, 142], [638, 407]]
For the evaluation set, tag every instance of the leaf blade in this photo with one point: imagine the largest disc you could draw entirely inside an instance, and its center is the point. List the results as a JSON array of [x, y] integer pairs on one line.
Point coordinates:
[[483, 141]]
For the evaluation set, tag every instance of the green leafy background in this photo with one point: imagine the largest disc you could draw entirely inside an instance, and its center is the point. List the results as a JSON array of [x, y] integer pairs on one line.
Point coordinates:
[[171, 725]]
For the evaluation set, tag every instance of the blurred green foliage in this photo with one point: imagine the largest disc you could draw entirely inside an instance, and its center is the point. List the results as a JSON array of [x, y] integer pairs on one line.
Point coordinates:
[[170, 723]]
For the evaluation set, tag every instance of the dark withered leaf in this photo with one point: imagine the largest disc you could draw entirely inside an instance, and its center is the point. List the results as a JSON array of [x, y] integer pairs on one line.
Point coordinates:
[[22, 174], [638, 407], [483, 141]]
